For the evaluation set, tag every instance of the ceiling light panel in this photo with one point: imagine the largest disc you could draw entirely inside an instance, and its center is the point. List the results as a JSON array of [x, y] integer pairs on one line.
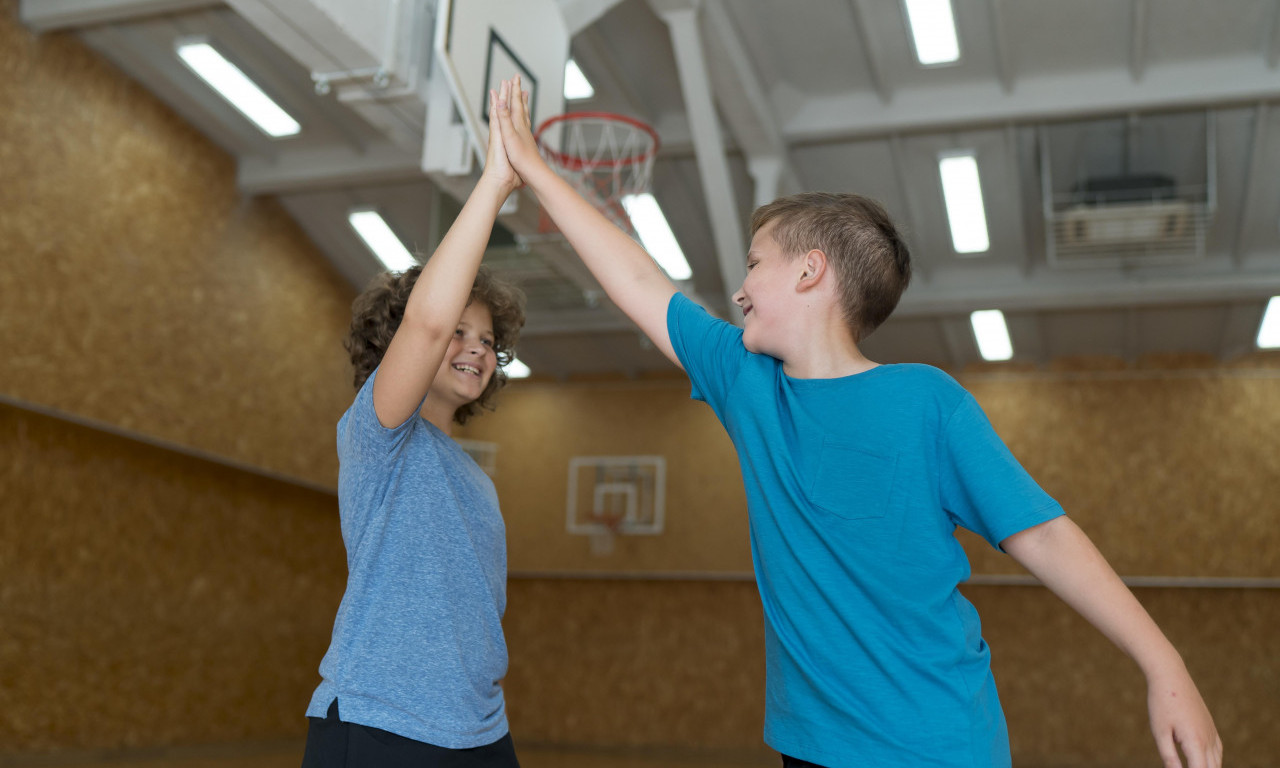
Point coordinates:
[[235, 86], [933, 32]]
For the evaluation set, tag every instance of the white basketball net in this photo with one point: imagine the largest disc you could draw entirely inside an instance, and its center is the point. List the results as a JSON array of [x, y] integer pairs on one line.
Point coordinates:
[[605, 158]]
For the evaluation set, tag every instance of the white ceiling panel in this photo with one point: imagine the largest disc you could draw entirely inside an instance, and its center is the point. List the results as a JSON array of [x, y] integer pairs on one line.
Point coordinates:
[[826, 95]]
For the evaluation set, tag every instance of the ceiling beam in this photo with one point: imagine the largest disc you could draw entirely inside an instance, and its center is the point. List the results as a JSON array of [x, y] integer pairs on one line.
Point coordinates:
[[1039, 98], [1138, 43], [51, 15], [1004, 67], [682, 19], [745, 104], [1273, 39], [1007, 289], [1013, 162], [870, 48], [580, 14], [591, 53], [333, 166], [897, 158], [957, 338], [1252, 161]]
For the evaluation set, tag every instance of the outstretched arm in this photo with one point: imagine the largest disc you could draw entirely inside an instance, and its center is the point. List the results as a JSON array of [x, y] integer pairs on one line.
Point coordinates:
[[627, 273], [1060, 554], [441, 292]]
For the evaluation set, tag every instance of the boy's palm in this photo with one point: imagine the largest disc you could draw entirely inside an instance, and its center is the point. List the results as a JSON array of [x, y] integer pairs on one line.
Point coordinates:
[[496, 163], [517, 135]]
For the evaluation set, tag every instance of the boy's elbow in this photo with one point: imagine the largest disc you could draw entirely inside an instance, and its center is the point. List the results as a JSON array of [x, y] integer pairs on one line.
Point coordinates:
[[1024, 545], [426, 325]]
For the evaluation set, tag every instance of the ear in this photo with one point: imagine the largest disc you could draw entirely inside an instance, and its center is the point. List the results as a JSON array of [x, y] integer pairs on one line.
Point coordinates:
[[813, 269]]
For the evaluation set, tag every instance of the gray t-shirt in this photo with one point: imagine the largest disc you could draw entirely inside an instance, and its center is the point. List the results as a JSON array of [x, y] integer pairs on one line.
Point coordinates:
[[417, 645]]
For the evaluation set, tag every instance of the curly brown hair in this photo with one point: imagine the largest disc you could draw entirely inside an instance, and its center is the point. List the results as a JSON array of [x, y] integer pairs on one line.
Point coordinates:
[[377, 313]]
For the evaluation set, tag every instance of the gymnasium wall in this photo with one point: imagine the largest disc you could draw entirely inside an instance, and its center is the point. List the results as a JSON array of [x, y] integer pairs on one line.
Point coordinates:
[[172, 370], [170, 560]]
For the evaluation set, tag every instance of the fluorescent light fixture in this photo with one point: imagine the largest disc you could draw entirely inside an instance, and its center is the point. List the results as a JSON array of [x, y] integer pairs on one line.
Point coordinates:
[[992, 334], [962, 191], [656, 236], [516, 369], [933, 30], [576, 84], [375, 233], [234, 86], [1269, 330]]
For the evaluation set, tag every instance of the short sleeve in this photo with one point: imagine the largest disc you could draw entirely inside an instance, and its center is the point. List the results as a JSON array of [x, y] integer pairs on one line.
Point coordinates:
[[360, 432], [710, 349], [983, 486]]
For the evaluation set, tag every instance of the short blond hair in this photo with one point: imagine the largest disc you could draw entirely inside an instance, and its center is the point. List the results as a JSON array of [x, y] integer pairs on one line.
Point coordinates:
[[866, 251]]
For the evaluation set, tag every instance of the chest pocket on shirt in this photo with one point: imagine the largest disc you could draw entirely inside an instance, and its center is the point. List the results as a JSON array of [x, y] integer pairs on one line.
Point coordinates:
[[852, 482]]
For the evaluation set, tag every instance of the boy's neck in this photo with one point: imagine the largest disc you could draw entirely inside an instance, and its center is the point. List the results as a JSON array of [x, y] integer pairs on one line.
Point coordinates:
[[830, 353], [828, 367], [817, 340], [441, 416]]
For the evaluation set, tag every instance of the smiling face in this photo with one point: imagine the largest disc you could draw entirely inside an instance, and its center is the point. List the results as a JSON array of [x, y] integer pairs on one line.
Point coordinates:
[[470, 360], [765, 293]]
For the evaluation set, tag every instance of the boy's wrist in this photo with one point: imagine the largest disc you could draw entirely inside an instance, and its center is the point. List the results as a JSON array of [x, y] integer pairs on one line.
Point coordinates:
[[538, 175], [496, 186], [1162, 664]]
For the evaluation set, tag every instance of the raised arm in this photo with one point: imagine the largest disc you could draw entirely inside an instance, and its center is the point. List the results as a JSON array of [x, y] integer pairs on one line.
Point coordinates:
[[627, 273], [1060, 554], [441, 292]]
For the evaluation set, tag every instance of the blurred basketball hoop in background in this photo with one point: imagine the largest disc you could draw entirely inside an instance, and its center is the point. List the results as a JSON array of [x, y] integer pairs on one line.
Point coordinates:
[[612, 496], [604, 156]]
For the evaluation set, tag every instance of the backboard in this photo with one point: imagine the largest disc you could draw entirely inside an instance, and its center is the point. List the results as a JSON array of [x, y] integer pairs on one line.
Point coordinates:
[[479, 43]]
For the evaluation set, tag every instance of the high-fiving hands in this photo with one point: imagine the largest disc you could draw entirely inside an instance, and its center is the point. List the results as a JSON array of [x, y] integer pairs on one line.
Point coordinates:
[[497, 167], [511, 116]]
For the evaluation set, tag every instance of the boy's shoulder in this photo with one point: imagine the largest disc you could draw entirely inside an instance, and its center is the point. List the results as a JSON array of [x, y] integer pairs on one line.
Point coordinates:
[[921, 375], [916, 386]]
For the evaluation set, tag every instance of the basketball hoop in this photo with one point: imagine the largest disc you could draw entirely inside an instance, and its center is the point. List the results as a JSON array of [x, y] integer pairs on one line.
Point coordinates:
[[609, 525], [604, 156]]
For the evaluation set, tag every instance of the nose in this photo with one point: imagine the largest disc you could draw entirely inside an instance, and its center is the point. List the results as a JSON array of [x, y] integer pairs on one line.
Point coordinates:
[[739, 297]]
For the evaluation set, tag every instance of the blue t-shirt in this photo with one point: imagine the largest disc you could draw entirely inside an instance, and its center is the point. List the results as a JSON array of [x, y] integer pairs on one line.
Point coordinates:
[[854, 489], [417, 645]]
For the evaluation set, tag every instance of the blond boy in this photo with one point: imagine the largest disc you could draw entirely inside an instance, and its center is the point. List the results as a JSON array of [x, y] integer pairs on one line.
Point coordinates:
[[857, 475]]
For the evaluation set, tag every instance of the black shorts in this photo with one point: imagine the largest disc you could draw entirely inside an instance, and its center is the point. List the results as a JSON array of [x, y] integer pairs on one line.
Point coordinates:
[[332, 743], [794, 762]]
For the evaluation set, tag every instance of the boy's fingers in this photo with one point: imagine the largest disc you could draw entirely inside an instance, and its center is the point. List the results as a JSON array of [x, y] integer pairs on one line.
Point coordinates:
[[520, 105], [1168, 751]]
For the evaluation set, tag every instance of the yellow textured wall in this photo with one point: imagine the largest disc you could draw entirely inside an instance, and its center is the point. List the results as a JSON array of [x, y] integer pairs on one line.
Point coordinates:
[[147, 597], [139, 288], [539, 427], [150, 598]]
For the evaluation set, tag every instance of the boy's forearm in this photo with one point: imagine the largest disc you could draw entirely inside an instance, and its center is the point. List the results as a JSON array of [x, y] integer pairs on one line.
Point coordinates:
[[447, 276], [1066, 561], [629, 276], [611, 255]]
